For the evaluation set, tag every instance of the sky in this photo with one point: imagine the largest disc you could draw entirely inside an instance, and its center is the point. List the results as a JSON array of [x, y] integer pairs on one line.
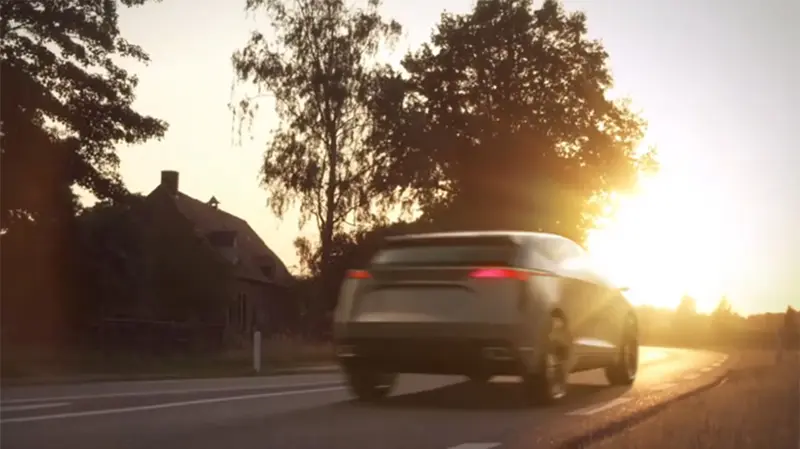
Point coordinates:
[[713, 79]]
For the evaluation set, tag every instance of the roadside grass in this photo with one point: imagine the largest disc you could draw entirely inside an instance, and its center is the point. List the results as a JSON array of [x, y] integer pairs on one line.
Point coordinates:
[[282, 354], [756, 408]]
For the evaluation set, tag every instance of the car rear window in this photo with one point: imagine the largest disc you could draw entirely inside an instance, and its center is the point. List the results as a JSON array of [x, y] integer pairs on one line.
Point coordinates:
[[447, 255]]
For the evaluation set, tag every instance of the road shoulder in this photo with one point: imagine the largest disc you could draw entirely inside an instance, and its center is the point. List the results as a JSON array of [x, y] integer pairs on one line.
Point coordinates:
[[758, 406]]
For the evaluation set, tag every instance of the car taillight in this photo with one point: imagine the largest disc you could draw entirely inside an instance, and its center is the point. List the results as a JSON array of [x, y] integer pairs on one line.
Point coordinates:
[[358, 274], [500, 273], [506, 273]]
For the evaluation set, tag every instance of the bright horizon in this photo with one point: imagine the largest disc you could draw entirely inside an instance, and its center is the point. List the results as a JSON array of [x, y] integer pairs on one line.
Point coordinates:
[[715, 220]]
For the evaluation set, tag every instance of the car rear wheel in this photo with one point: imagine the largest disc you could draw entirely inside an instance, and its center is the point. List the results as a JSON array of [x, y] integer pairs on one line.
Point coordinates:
[[623, 370], [548, 383], [368, 384]]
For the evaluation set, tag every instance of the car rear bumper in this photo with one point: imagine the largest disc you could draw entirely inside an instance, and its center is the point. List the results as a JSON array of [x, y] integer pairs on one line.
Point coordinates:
[[436, 348]]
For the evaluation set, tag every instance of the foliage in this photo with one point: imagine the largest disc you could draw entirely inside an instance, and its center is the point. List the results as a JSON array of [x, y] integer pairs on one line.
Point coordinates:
[[111, 247], [503, 121], [348, 251], [687, 307], [723, 318], [141, 259], [791, 320], [66, 104], [353, 250], [318, 70], [723, 311]]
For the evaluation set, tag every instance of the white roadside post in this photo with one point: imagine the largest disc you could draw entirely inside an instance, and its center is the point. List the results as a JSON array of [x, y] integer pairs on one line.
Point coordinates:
[[257, 351]]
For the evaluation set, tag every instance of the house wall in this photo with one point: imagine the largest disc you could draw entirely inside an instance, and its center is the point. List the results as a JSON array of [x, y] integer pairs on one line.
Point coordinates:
[[186, 279], [259, 306]]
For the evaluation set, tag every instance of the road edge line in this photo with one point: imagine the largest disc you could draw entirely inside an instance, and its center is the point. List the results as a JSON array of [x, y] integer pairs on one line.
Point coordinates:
[[615, 427]]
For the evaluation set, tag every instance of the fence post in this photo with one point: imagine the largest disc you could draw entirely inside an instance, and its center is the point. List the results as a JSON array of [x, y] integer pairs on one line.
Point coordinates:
[[257, 351]]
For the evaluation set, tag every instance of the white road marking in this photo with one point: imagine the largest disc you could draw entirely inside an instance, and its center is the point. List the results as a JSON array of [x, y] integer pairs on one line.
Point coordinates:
[[19, 408], [707, 369], [662, 387], [691, 376], [168, 392], [113, 411], [475, 446], [599, 408]]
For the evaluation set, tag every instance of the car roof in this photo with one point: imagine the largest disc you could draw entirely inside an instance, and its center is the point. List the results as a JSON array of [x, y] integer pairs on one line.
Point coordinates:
[[516, 236]]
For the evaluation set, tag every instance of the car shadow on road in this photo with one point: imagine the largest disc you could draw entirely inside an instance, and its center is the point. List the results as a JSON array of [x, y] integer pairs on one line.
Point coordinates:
[[492, 396]]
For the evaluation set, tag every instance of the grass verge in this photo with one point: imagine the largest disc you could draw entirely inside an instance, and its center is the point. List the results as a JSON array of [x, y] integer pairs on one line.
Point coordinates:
[[279, 355], [757, 407]]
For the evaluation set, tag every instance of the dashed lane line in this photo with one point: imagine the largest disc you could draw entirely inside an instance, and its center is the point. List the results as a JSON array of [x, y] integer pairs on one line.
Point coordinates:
[[475, 446], [20, 408], [170, 392], [691, 376], [113, 411]]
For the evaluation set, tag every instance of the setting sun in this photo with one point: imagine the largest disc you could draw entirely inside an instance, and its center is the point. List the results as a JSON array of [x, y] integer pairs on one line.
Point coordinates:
[[671, 238]]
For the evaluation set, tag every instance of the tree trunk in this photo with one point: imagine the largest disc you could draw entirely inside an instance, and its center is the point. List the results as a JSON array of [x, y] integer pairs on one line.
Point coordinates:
[[326, 238]]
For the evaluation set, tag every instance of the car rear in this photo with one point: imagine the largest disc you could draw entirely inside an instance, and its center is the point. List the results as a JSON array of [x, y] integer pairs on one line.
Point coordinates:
[[437, 304]]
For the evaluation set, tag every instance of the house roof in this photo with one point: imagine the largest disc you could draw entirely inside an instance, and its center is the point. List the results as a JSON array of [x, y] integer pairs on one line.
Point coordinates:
[[252, 252]]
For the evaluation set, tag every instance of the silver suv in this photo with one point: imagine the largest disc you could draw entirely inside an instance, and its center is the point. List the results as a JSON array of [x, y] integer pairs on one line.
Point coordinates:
[[483, 304]]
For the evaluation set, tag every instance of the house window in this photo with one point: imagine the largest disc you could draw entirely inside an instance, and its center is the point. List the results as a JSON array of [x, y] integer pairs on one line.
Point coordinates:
[[243, 312], [268, 271], [238, 313], [222, 239]]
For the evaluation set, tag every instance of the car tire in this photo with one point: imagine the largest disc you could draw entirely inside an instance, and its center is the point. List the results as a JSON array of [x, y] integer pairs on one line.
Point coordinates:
[[623, 371], [547, 384], [369, 385]]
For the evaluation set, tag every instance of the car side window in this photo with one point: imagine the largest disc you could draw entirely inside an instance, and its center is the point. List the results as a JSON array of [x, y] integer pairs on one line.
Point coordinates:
[[551, 248], [576, 250], [569, 251], [579, 261]]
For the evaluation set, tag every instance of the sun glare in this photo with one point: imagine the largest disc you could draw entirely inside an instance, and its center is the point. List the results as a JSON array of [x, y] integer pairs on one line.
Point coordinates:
[[667, 240]]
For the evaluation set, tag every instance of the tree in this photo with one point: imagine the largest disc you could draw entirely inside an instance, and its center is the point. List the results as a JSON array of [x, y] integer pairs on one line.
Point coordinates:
[[684, 323], [65, 105], [110, 275], [723, 316], [790, 315], [503, 121], [318, 71], [349, 250], [687, 307], [790, 320]]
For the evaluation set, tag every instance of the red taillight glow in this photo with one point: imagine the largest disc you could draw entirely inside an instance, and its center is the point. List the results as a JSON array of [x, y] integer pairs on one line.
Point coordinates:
[[506, 273], [499, 273], [358, 274]]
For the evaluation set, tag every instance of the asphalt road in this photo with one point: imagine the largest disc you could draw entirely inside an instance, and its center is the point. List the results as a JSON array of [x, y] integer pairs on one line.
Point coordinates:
[[315, 411]]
